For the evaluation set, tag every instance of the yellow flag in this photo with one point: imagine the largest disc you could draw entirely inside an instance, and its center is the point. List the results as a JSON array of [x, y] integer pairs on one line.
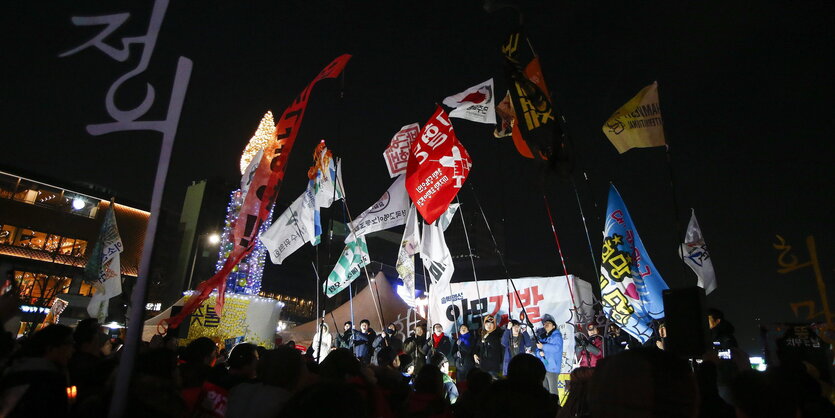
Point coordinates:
[[638, 123]]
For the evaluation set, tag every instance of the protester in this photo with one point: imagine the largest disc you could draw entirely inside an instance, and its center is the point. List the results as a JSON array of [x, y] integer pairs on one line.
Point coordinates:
[[346, 339], [490, 351], [416, 347], [363, 341], [617, 341], [322, 343], [523, 324], [280, 371], [243, 365], [477, 382], [520, 395], [464, 350], [549, 350], [35, 385], [514, 342], [577, 403], [388, 338], [664, 386], [394, 388], [588, 348], [721, 331], [428, 399], [450, 390], [197, 390], [89, 366], [439, 343], [407, 367]]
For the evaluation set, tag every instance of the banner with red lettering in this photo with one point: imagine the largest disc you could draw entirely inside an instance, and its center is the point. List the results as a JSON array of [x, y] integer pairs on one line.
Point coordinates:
[[263, 191], [438, 166], [468, 302]]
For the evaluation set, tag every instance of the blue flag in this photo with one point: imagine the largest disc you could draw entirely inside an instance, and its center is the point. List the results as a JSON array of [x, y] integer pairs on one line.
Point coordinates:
[[630, 285]]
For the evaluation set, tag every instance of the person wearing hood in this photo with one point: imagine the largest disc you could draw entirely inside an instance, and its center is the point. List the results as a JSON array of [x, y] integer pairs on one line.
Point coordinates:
[[464, 349], [514, 342], [36, 384], [490, 351], [322, 342], [549, 351], [588, 349], [389, 338], [439, 343]]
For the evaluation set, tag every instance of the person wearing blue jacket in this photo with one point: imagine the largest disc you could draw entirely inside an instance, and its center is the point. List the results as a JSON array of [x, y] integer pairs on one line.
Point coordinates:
[[514, 342], [363, 341], [549, 350]]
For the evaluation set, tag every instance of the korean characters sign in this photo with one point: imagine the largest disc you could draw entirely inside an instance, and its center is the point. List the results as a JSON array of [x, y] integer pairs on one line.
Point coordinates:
[[397, 153], [438, 166]]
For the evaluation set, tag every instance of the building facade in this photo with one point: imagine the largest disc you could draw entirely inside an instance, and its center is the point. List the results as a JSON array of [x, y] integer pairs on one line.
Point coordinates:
[[46, 234]]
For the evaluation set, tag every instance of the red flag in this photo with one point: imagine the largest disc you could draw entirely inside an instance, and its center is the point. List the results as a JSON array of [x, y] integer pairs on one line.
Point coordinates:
[[262, 193], [438, 167]]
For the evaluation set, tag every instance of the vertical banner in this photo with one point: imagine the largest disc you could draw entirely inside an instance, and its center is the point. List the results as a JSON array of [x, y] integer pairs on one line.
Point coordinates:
[[438, 166], [630, 285], [263, 191]]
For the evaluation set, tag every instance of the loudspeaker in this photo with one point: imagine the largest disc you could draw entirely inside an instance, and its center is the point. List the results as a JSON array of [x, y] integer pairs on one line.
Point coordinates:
[[686, 322]]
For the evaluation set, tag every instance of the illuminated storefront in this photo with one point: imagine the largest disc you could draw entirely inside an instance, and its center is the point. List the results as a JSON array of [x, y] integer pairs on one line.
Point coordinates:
[[46, 233]]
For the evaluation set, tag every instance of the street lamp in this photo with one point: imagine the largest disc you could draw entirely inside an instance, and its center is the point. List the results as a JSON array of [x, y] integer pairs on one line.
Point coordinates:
[[214, 239]]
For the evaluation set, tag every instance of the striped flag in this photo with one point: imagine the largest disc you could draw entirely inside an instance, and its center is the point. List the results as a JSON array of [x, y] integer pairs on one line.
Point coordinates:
[[354, 257]]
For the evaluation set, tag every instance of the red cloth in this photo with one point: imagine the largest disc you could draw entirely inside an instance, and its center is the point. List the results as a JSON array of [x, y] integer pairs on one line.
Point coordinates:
[[436, 339]]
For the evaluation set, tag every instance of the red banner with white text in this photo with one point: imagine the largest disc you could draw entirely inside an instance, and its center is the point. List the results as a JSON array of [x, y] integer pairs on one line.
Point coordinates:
[[438, 167], [262, 192]]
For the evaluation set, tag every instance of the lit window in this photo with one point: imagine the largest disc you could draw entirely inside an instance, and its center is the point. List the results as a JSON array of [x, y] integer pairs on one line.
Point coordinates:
[[7, 234], [31, 239]]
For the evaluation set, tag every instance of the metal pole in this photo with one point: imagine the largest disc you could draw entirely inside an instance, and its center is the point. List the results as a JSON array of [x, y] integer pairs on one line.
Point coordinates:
[[194, 262]]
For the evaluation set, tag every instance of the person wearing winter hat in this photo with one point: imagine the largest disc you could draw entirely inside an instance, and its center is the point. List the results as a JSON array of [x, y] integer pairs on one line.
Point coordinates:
[[514, 342], [450, 390], [549, 351]]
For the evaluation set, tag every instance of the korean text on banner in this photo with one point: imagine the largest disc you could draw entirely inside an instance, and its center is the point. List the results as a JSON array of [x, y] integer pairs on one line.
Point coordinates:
[[438, 166], [638, 123], [354, 257], [538, 295], [397, 153], [630, 285], [291, 230], [265, 184], [389, 211], [474, 104]]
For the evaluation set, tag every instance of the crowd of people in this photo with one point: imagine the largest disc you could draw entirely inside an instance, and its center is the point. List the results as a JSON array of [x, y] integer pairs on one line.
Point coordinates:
[[491, 371]]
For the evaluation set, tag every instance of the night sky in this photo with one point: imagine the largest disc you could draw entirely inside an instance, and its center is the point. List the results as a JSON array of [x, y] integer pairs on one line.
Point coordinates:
[[745, 92]]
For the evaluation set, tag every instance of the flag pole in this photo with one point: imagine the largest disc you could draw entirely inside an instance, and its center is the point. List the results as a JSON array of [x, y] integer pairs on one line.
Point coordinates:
[[338, 181], [501, 260], [559, 250], [469, 250]]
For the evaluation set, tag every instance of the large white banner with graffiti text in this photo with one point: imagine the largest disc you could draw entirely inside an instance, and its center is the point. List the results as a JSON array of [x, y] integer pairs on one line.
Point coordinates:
[[539, 295]]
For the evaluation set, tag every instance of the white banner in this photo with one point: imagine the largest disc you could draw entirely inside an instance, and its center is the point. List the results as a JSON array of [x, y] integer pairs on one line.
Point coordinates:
[[475, 104], [409, 245], [389, 211], [291, 230], [539, 296], [246, 179], [434, 252], [397, 153], [694, 253]]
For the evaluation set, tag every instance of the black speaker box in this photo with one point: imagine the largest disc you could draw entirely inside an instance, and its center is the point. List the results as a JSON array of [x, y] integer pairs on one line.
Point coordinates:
[[685, 318]]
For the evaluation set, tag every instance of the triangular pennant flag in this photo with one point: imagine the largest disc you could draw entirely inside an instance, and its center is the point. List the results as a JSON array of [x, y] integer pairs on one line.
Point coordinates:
[[630, 285], [353, 258], [389, 211], [438, 166], [694, 253], [474, 104], [638, 123]]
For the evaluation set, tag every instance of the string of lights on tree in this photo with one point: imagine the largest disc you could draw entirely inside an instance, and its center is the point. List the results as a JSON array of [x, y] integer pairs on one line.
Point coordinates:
[[245, 278]]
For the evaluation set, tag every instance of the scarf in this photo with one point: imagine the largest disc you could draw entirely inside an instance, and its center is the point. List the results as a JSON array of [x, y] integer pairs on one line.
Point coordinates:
[[436, 339], [465, 338]]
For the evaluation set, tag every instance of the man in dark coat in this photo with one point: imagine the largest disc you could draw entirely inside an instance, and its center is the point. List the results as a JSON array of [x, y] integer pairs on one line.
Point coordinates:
[[362, 342], [416, 347], [346, 339], [388, 339]]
